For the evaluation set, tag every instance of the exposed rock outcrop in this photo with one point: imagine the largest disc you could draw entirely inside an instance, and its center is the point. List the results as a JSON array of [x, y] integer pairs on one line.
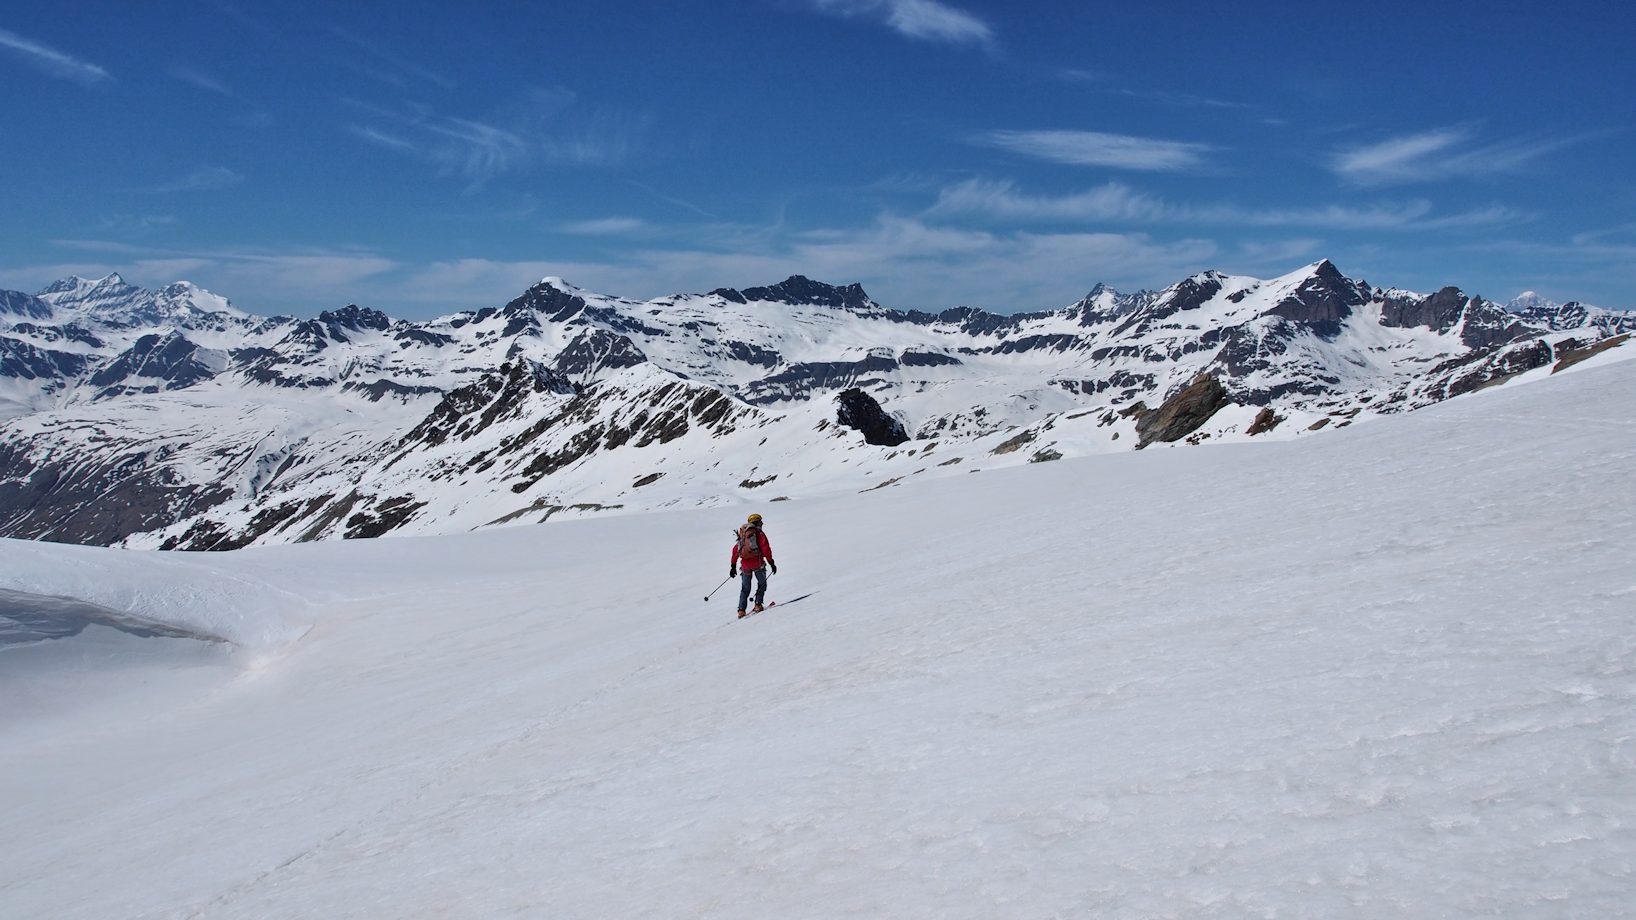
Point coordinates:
[[859, 411], [1265, 421], [1183, 413]]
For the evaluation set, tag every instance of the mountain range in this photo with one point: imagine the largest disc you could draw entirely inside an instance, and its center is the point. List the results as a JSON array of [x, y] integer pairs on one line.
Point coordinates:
[[171, 419]]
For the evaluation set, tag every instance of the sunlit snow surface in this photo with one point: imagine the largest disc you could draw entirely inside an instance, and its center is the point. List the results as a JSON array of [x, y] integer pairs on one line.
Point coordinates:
[[1385, 672]]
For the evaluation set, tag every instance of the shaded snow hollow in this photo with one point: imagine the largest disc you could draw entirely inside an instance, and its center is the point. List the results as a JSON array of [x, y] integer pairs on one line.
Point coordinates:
[[1388, 672]]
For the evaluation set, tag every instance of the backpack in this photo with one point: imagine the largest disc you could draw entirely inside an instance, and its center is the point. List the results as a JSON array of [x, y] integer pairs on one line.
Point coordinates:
[[749, 542]]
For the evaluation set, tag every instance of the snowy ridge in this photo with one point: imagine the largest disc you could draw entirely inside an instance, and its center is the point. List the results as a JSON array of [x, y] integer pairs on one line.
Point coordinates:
[[214, 429], [173, 590], [1389, 671]]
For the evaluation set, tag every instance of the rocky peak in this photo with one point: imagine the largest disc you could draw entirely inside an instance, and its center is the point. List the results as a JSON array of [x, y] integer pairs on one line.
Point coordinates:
[[1102, 304], [1190, 294], [1438, 312], [798, 289], [1102, 296], [552, 299], [1323, 299], [315, 334], [1482, 324], [75, 287], [1326, 272], [108, 291], [16, 303], [355, 318], [67, 285]]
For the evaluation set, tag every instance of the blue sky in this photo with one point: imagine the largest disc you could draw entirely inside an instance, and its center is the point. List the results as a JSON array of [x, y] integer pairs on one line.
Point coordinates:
[[424, 157]]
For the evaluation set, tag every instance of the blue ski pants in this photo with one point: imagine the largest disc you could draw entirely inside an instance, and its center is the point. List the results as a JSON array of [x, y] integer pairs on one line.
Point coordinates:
[[744, 577]]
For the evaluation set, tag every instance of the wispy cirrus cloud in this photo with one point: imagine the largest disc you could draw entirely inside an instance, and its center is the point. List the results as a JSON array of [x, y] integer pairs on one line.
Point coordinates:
[[201, 80], [542, 128], [1443, 153], [384, 139], [682, 203], [607, 226], [475, 150], [1002, 199], [925, 20], [1118, 202], [1095, 148], [135, 225], [203, 179], [391, 67], [601, 138], [1100, 83], [53, 62], [1591, 237]]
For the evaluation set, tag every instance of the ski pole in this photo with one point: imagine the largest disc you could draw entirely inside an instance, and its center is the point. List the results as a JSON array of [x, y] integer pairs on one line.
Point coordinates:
[[718, 587]]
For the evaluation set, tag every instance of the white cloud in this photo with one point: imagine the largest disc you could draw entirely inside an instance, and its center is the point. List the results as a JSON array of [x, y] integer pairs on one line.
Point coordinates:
[[1001, 199], [1590, 237], [1443, 153], [203, 179], [902, 262], [1117, 202], [322, 274], [1277, 255], [1184, 100], [134, 224], [463, 284], [682, 203], [601, 138], [607, 226], [476, 150], [36, 277], [203, 81], [52, 61], [266, 281], [173, 269], [926, 20], [538, 130], [383, 139], [397, 65], [1094, 148]]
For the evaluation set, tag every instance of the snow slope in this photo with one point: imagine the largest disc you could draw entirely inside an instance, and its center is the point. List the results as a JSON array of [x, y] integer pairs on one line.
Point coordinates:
[[1385, 673]]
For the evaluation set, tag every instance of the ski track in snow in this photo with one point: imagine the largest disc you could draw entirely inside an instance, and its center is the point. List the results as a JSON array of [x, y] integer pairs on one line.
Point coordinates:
[[1387, 672]]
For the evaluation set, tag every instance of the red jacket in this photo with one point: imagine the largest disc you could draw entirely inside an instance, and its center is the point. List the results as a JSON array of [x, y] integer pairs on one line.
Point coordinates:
[[751, 563]]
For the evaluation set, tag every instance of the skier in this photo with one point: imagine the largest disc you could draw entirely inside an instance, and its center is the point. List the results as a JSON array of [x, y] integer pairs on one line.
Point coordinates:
[[750, 551]]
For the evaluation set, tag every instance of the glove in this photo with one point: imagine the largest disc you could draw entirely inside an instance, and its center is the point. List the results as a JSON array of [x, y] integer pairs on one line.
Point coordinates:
[[773, 566], [732, 571]]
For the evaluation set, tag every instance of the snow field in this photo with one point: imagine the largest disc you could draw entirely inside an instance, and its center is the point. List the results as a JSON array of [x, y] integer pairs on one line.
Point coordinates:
[[1386, 672]]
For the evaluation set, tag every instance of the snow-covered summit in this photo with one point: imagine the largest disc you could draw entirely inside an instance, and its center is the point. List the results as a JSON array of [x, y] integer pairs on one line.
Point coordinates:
[[186, 297], [1530, 300], [222, 429], [113, 299], [75, 288]]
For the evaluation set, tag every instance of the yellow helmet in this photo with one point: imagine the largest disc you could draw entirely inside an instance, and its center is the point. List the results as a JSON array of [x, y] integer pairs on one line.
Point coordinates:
[[755, 518]]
